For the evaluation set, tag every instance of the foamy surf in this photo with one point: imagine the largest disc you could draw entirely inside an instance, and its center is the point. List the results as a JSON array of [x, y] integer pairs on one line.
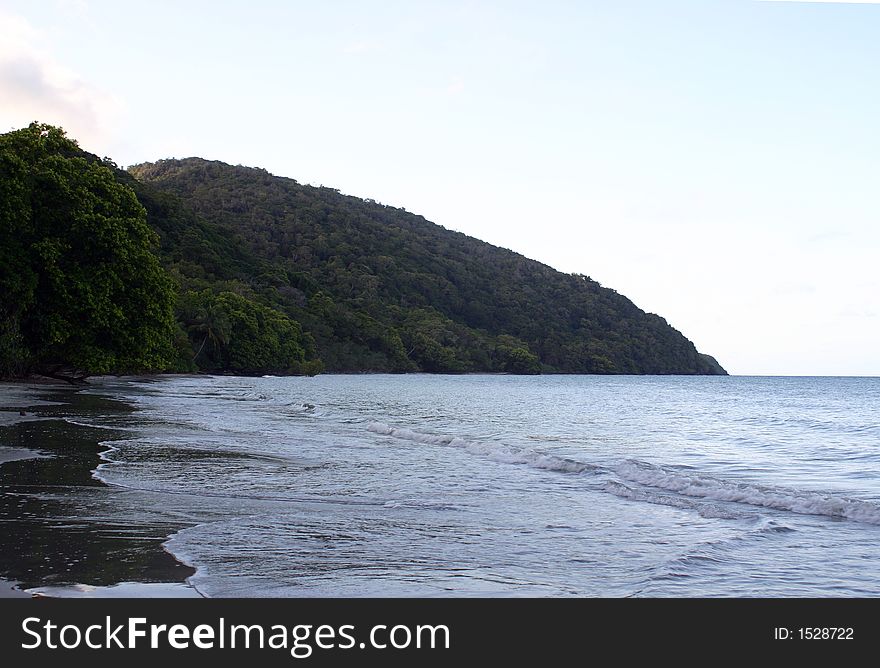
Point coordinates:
[[707, 510], [498, 452], [521, 491], [697, 485]]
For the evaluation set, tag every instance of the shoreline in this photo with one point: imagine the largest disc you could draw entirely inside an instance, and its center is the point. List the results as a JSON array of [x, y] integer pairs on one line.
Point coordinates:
[[58, 538], [37, 381]]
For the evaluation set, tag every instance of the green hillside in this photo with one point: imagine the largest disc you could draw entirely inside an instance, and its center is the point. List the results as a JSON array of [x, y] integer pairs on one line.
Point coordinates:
[[190, 265], [380, 288]]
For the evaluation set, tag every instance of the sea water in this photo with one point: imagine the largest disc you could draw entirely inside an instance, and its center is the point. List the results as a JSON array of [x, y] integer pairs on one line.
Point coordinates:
[[495, 485]]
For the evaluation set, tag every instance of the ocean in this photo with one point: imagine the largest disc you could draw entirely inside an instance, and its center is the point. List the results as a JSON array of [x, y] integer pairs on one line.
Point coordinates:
[[494, 485]]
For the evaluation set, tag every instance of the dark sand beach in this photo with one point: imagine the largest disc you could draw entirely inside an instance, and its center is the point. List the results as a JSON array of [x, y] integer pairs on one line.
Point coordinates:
[[59, 534]]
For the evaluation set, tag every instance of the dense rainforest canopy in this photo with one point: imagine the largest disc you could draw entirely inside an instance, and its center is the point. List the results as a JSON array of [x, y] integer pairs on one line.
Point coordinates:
[[380, 288], [82, 290], [190, 264]]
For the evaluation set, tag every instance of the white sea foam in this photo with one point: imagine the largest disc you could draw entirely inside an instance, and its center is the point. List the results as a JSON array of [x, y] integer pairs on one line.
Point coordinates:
[[119, 590], [697, 485], [382, 518], [498, 452], [706, 510]]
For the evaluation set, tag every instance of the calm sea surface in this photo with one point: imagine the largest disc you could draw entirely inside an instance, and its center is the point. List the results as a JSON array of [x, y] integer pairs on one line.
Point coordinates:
[[424, 485]]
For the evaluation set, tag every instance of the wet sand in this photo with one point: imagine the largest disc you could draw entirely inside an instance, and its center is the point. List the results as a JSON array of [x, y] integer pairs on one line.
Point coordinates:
[[59, 536], [10, 589]]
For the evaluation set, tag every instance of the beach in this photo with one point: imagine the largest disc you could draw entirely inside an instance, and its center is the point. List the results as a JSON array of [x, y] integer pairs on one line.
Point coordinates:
[[60, 536], [449, 486]]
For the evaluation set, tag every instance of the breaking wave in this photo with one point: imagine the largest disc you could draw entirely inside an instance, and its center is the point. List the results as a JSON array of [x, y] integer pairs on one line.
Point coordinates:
[[498, 452], [697, 485]]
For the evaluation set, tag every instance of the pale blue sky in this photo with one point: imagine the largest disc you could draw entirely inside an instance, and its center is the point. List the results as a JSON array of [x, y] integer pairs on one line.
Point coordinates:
[[714, 160]]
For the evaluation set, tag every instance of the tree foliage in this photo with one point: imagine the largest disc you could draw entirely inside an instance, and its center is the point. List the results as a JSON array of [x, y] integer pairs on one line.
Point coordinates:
[[189, 265], [81, 289], [382, 289], [232, 333]]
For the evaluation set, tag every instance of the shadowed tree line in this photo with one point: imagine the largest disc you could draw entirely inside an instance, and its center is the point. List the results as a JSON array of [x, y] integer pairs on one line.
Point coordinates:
[[186, 265], [84, 290]]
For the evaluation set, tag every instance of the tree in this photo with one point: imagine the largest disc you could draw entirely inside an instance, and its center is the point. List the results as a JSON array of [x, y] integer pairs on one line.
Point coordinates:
[[201, 316], [82, 291], [229, 332], [347, 269], [515, 357]]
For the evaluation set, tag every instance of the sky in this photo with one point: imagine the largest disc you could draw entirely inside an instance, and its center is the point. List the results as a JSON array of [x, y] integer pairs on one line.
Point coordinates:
[[716, 161]]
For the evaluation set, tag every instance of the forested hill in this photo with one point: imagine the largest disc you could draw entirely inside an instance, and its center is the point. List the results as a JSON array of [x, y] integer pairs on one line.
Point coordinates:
[[380, 289]]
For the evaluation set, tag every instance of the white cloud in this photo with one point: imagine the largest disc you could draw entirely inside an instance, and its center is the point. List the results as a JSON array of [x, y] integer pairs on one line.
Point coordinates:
[[36, 86]]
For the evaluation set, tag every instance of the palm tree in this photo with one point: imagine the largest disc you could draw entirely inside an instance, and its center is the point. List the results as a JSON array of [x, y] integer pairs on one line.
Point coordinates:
[[209, 320]]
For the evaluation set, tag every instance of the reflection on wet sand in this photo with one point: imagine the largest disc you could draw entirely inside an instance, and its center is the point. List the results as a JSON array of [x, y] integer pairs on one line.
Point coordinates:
[[59, 525]]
